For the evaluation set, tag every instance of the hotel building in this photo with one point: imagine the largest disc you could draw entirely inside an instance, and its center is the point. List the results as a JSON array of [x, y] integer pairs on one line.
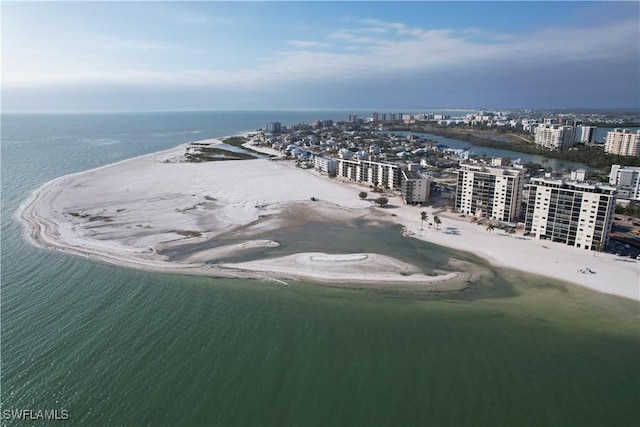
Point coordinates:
[[623, 142], [574, 213], [380, 174], [489, 192], [554, 137], [627, 180], [415, 187]]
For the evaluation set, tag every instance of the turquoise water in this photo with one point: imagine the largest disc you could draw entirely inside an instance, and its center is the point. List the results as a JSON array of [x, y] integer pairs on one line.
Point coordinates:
[[123, 347]]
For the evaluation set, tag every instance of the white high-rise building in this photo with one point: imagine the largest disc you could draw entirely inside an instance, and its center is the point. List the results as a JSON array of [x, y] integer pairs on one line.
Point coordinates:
[[627, 180], [554, 137], [489, 192], [415, 187], [623, 142], [585, 134], [274, 127], [574, 213]]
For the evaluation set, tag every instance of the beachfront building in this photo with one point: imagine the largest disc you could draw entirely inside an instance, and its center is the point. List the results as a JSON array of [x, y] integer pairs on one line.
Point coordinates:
[[415, 187], [627, 181], [274, 127], [623, 142], [324, 164], [379, 174], [554, 137], [585, 134], [489, 192], [574, 213]]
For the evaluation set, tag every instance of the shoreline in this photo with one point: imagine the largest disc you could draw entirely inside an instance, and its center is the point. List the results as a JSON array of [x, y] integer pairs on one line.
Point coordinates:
[[123, 213]]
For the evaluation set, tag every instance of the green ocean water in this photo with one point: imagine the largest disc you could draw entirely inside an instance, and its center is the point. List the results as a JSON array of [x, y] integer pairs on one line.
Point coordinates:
[[116, 346]]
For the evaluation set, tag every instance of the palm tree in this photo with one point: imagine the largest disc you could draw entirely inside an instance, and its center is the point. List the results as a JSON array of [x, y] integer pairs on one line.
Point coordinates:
[[510, 230], [597, 247], [490, 227], [423, 217], [436, 220]]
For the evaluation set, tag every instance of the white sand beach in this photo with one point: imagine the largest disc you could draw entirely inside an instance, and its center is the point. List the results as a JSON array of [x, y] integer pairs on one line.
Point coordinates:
[[128, 212]]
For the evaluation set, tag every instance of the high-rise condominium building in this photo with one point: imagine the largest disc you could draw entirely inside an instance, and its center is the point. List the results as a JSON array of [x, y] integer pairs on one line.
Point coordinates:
[[627, 180], [554, 137], [585, 134], [274, 127], [415, 187], [574, 213], [489, 192], [623, 142]]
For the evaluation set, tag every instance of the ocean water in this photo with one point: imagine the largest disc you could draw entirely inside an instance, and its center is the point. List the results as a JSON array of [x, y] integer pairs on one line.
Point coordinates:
[[115, 346]]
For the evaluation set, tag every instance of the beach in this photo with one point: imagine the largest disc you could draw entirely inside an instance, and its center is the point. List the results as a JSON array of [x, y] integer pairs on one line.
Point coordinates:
[[132, 212]]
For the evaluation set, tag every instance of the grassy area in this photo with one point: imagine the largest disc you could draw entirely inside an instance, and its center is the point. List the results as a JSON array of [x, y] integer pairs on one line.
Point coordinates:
[[214, 154]]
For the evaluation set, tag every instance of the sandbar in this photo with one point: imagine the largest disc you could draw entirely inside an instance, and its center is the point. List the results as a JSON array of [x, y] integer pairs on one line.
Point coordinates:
[[132, 212]]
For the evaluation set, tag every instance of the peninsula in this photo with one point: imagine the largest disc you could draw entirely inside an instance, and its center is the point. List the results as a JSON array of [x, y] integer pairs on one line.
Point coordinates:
[[133, 212]]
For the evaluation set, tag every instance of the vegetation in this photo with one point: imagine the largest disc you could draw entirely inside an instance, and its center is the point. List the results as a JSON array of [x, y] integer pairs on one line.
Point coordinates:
[[382, 201], [437, 221], [239, 141], [363, 195], [632, 209], [597, 247], [90, 217], [490, 227], [212, 154], [423, 217], [187, 233]]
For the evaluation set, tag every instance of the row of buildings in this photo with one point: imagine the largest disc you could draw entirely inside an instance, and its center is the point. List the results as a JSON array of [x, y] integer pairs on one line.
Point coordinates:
[[571, 211], [575, 213], [621, 142]]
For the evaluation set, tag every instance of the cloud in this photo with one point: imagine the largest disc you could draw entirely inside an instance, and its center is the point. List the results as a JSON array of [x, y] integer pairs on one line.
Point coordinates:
[[307, 44], [372, 54]]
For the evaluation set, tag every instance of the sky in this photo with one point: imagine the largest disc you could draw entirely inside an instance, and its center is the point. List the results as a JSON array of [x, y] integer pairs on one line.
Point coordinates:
[[210, 55]]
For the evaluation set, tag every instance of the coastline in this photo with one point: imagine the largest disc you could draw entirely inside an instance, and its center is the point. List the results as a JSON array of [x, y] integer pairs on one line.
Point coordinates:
[[128, 212]]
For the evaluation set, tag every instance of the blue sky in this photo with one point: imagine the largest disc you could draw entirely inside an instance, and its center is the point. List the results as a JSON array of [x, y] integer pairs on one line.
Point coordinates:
[[131, 56]]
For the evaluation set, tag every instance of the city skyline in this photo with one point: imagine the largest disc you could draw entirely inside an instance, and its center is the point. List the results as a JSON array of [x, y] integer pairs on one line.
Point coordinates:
[[124, 56]]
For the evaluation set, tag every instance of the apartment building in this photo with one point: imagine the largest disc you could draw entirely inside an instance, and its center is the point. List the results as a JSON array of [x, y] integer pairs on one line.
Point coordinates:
[[324, 164], [274, 127], [623, 142], [574, 213], [554, 137], [489, 192], [415, 187], [386, 175], [627, 181], [585, 134]]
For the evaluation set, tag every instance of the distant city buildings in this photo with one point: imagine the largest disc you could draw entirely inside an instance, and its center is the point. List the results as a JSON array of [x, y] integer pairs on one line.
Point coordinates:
[[623, 142], [576, 214], [627, 180], [489, 192], [554, 137]]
